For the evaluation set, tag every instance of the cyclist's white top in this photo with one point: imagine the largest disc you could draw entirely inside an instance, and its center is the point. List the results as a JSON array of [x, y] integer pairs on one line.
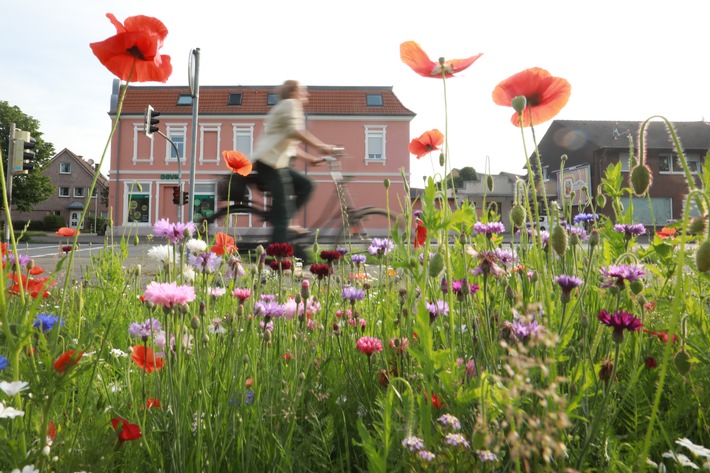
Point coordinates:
[[277, 144]]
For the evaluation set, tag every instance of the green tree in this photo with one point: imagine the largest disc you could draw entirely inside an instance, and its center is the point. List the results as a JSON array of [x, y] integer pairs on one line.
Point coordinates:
[[33, 188], [466, 173]]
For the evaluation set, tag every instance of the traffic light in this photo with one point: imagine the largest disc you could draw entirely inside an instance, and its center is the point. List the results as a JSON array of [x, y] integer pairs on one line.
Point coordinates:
[[185, 198], [176, 195], [23, 154], [150, 123]]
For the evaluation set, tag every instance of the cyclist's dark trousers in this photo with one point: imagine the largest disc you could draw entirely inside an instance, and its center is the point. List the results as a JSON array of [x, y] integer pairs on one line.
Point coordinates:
[[283, 184]]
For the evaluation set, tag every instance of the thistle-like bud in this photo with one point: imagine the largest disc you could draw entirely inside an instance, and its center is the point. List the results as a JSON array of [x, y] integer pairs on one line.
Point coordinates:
[[636, 286], [519, 103], [387, 183], [593, 238], [640, 178], [442, 160], [510, 294], [260, 251], [489, 183], [697, 225], [702, 256], [30, 264], [558, 240], [517, 215], [436, 265], [563, 158], [305, 289], [194, 323]]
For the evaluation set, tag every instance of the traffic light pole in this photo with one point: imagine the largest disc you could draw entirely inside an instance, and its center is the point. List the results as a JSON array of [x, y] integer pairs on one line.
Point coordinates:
[[179, 160], [8, 175], [194, 81]]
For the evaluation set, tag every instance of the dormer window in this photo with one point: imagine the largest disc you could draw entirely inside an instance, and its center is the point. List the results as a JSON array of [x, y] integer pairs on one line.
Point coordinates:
[[272, 98], [184, 99], [374, 100], [235, 99]]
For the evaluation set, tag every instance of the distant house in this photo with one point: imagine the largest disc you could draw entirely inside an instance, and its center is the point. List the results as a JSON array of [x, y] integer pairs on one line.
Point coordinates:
[[72, 177], [369, 122], [591, 146], [500, 199]]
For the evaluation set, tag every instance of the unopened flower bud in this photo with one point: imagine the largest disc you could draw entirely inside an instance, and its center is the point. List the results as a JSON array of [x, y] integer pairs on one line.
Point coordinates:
[[533, 276], [260, 250], [697, 225], [442, 160], [436, 265], [203, 308], [489, 183], [205, 339], [640, 179], [136, 240], [519, 103], [387, 183], [305, 289], [558, 240], [245, 359], [563, 158], [636, 286], [681, 361], [30, 264], [517, 215], [593, 239], [702, 256], [641, 300], [194, 323], [266, 336]]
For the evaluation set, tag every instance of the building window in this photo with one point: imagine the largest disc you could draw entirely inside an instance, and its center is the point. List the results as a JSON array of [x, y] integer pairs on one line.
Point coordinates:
[[94, 193], [375, 143], [374, 100], [78, 192], [64, 168], [63, 192], [205, 202], [138, 208], [234, 99], [177, 135], [244, 139], [272, 98], [184, 99], [670, 164], [624, 160]]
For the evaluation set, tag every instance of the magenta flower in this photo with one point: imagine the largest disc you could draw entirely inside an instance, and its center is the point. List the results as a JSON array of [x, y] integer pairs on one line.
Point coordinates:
[[174, 232], [630, 231], [488, 228], [242, 294], [206, 262], [436, 309], [617, 275], [459, 286], [369, 345], [620, 321], [144, 330], [169, 294], [269, 309]]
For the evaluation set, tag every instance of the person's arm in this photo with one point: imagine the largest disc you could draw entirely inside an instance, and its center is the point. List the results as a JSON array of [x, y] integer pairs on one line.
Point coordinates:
[[308, 157], [306, 137]]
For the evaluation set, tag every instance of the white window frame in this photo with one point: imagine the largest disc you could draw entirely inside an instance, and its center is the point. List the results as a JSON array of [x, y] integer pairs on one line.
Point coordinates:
[[137, 133], [690, 158], [374, 132], [172, 131], [243, 130], [62, 165], [208, 128], [83, 192], [68, 194]]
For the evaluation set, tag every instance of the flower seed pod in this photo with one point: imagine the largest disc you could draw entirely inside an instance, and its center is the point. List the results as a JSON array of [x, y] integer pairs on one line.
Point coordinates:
[[436, 265], [519, 103], [702, 256], [640, 178], [517, 215], [558, 240]]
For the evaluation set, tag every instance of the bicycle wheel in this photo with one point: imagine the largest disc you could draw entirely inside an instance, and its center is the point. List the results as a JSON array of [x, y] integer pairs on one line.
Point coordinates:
[[370, 222]]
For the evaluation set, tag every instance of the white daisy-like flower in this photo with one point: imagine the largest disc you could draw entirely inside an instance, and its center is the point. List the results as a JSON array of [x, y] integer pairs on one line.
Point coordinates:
[[14, 387], [698, 450], [26, 469], [217, 326], [118, 353], [195, 245], [9, 412], [188, 273], [161, 253]]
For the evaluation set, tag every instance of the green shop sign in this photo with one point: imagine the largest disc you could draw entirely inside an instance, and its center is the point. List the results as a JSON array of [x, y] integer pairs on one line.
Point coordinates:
[[166, 177]]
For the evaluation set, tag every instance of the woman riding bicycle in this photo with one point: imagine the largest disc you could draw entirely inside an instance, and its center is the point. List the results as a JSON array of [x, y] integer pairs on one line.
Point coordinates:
[[285, 130]]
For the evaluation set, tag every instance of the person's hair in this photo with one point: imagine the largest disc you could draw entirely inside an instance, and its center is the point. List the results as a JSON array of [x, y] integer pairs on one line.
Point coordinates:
[[287, 89]]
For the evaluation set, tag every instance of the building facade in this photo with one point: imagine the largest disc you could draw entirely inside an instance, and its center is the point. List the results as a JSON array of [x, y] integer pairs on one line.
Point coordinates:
[[72, 177], [369, 122]]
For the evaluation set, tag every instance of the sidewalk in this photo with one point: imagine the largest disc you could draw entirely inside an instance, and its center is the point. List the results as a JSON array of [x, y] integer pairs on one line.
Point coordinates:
[[84, 239]]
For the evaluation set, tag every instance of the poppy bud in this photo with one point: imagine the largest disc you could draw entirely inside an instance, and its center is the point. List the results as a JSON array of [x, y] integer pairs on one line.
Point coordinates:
[[519, 103], [136, 240], [316, 248], [558, 240], [681, 360], [702, 256], [640, 178], [442, 160], [387, 183], [574, 239], [563, 158], [436, 265], [636, 287], [517, 215], [205, 339], [697, 225], [601, 198], [489, 183], [593, 238], [194, 323]]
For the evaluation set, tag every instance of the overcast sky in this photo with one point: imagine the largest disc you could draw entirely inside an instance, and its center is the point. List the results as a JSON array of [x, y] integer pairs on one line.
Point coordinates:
[[625, 60]]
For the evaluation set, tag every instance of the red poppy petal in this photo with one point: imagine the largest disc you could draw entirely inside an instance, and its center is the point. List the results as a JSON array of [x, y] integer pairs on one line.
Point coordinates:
[[146, 23], [458, 65], [418, 149], [414, 56]]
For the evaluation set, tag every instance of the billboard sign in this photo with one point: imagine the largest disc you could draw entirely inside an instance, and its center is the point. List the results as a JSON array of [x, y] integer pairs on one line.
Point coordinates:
[[571, 181]]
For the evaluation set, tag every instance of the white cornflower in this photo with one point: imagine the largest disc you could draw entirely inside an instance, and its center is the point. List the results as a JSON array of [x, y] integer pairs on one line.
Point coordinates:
[[161, 253], [413, 443], [26, 469], [9, 412], [195, 245], [14, 387], [217, 326]]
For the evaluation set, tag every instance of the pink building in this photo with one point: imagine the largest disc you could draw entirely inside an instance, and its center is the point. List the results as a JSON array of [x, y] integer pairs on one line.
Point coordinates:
[[369, 122]]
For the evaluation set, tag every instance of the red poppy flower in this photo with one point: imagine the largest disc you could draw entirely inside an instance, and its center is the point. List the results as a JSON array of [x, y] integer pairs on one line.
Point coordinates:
[[35, 287], [65, 232], [128, 431], [3, 248], [145, 358], [651, 362], [545, 95], [133, 53], [35, 270], [419, 234], [237, 162], [414, 56], [666, 232], [152, 402], [224, 244], [51, 430], [437, 402], [67, 360], [425, 144]]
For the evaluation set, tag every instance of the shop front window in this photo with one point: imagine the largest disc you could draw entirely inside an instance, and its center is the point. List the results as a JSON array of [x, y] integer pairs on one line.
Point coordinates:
[[138, 208], [205, 202]]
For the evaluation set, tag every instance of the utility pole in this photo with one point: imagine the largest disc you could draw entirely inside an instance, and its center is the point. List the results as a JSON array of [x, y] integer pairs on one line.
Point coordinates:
[[194, 81], [8, 176]]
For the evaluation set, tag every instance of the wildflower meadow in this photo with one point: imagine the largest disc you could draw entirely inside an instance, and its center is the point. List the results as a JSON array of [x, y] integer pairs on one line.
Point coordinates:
[[469, 341]]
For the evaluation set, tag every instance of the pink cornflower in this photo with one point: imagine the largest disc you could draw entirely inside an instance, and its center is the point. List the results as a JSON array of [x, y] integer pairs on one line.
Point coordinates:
[[448, 420], [617, 274], [369, 345], [488, 264], [169, 294], [620, 321], [488, 228], [242, 294], [174, 232]]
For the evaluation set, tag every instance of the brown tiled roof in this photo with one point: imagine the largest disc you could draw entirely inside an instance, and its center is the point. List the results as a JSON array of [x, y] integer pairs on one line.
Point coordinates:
[[102, 180], [323, 100]]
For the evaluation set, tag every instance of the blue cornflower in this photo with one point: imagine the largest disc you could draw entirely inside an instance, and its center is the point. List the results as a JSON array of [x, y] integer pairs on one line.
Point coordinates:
[[3, 362], [358, 259], [45, 322], [584, 218], [352, 294]]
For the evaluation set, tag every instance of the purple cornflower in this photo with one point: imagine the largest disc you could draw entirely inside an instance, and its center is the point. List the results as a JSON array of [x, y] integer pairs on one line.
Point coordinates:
[[412, 443], [617, 274], [174, 232], [343, 251], [357, 260], [456, 440], [207, 262], [45, 322], [22, 259], [436, 309], [620, 321], [584, 218], [144, 330], [461, 286], [486, 456], [567, 283], [488, 264], [630, 230], [270, 309], [488, 228], [450, 421], [523, 330], [578, 232], [426, 455], [506, 257], [352, 294], [380, 246]]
